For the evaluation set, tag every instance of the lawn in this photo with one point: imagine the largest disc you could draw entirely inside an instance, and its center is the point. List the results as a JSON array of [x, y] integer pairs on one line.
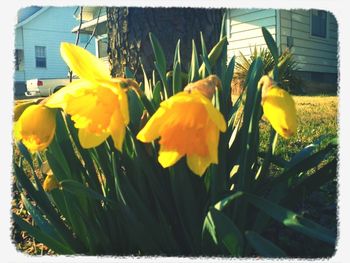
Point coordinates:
[[317, 116]]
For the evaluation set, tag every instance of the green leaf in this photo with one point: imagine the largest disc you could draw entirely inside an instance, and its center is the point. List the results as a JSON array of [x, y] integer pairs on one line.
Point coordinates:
[[51, 242], [39, 219], [136, 105], [207, 66], [177, 56], [291, 219], [214, 55], [223, 231], [159, 54], [156, 95], [177, 82], [193, 72], [147, 85], [271, 44], [225, 202], [223, 26], [163, 79], [25, 153], [263, 246], [77, 188]]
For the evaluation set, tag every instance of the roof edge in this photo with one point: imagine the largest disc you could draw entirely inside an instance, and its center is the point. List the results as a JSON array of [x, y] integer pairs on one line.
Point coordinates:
[[30, 18]]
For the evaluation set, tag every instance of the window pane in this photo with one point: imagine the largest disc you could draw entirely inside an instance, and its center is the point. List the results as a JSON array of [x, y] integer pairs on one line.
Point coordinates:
[[319, 23], [102, 47], [19, 59], [41, 62], [40, 57]]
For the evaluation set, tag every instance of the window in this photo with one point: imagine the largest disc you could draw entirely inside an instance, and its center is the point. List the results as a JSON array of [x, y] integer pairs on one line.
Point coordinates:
[[40, 57], [102, 45], [84, 38], [319, 23], [19, 59]]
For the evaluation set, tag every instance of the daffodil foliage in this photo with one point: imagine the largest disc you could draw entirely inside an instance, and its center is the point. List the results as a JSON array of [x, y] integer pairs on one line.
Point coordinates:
[[167, 165]]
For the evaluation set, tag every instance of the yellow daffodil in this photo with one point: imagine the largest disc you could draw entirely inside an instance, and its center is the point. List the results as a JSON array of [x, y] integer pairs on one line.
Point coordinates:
[[50, 182], [187, 124], [279, 108], [97, 103], [36, 127]]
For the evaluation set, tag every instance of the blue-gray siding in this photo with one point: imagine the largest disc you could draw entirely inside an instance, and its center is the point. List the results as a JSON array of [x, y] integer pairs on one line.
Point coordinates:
[[48, 29], [312, 53]]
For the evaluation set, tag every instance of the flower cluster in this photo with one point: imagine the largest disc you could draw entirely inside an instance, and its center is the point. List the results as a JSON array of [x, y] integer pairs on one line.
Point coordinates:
[[187, 123]]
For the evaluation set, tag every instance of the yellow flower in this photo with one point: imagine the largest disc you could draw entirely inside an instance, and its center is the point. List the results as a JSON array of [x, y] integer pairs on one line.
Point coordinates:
[[187, 124], [36, 127], [50, 182], [97, 103], [279, 109]]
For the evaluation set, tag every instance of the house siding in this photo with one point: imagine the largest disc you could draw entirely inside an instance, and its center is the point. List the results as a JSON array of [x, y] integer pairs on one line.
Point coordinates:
[[48, 29], [313, 54], [244, 29]]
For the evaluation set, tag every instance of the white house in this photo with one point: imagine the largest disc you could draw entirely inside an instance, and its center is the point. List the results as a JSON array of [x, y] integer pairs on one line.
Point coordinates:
[[38, 34], [312, 36]]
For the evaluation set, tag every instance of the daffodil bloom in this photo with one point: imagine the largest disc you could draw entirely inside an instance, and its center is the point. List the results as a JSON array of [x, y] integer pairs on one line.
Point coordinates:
[[187, 124], [36, 127], [50, 182], [97, 103], [279, 109]]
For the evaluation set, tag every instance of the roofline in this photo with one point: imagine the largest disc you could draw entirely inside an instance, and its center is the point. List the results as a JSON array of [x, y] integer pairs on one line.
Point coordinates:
[[30, 18], [90, 23]]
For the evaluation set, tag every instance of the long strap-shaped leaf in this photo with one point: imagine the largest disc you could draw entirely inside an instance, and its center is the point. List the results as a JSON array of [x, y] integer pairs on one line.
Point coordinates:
[[263, 246], [55, 245]]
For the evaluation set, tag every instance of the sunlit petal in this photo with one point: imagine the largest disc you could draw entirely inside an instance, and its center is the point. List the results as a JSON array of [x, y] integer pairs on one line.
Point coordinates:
[[198, 164], [117, 129], [279, 109], [36, 127], [151, 130], [75, 89], [89, 140], [168, 158], [83, 63]]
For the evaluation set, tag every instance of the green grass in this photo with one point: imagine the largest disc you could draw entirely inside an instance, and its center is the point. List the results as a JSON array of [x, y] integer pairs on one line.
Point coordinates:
[[317, 116]]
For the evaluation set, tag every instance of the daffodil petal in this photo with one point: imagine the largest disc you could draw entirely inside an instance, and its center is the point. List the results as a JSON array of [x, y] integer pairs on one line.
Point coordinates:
[[151, 130], [90, 140], [213, 142], [183, 97], [117, 129], [124, 108], [279, 109], [36, 127], [198, 164], [83, 63], [76, 88], [168, 158], [214, 114]]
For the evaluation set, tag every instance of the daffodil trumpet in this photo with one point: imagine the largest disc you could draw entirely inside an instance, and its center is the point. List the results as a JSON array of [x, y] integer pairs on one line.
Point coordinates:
[[36, 127], [188, 125]]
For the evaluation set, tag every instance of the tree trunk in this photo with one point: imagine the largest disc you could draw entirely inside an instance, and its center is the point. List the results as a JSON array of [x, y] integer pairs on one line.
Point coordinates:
[[128, 32]]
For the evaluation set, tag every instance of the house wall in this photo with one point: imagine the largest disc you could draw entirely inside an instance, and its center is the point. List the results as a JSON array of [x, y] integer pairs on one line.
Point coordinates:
[[48, 29], [244, 29], [314, 54], [316, 57]]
